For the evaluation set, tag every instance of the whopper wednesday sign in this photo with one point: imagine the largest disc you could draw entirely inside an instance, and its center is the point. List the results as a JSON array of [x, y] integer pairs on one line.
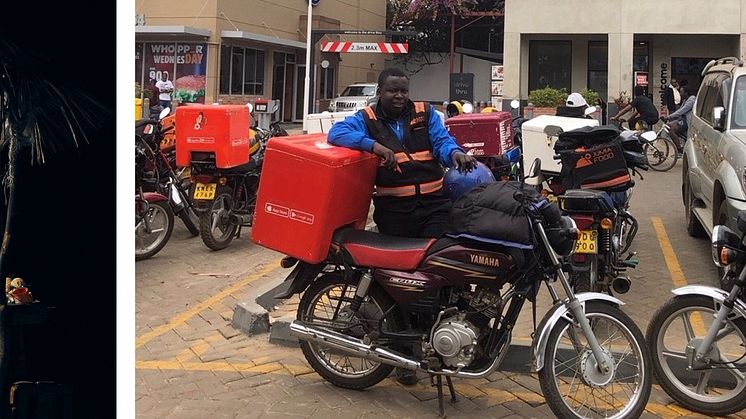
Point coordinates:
[[186, 65]]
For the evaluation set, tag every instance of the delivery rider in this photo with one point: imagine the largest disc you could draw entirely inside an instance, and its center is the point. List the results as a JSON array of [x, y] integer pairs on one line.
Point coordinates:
[[412, 143]]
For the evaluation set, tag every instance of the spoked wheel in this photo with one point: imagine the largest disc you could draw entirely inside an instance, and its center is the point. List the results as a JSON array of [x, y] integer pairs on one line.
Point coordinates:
[[572, 383], [682, 321], [161, 220], [326, 303], [661, 154], [216, 225]]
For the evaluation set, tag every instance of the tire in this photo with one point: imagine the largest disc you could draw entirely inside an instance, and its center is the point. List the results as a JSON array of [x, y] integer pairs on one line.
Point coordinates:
[[191, 220], [601, 315], [376, 302], [159, 211], [667, 376], [661, 154], [218, 219], [693, 226]]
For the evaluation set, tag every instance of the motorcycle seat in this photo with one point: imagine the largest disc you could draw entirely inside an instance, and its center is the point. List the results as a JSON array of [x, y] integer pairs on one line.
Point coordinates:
[[376, 250], [586, 201]]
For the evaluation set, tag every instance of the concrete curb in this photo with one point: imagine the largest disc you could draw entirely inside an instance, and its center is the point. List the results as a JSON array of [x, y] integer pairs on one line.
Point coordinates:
[[250, 318]]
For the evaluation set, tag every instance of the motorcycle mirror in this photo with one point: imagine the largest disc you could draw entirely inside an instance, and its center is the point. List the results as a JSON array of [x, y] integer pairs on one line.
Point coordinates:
[[251, 107], [514, 104], [589, 110], [164, 113], [468, 107], [649, 135], [553, 130]]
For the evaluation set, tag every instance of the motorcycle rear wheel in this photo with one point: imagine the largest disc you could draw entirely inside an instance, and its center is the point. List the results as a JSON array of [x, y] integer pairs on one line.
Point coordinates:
[[569, 364], [699, 391], [215, 225], [326, 302], [161, 219]]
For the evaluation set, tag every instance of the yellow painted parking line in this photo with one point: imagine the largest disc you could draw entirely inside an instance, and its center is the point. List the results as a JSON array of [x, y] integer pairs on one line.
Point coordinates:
[[172, 364], [183, 317], [677, 275], [672, 262]]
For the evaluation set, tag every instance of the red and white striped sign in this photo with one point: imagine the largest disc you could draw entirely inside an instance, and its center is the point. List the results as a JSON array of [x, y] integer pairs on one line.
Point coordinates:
[[375, 47]]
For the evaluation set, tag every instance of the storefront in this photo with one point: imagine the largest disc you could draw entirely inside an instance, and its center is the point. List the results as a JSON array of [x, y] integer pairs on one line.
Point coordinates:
[[613, 46]]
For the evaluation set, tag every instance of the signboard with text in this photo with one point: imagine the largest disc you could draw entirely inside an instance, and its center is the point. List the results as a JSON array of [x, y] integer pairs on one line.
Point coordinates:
[[185, 64], [461, 86]]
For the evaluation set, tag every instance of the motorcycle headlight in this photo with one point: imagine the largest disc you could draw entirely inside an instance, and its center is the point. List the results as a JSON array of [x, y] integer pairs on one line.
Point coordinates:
[[725, 246], [563, 236]]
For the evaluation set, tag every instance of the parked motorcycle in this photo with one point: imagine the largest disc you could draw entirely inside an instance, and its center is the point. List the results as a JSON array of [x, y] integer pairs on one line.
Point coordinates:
[[440, 307], [154, 219], [225, 198], [149, 133], [698, 338]]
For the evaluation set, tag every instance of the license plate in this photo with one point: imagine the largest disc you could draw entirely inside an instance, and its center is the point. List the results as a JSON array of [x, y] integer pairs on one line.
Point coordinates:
[[204, 190], [588, 242]]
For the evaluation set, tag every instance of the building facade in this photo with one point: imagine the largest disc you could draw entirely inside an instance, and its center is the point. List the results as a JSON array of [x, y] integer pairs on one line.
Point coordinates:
[[234, 51], [612, 46]]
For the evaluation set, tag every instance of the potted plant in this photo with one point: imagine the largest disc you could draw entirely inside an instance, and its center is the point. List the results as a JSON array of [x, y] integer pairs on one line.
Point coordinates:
[[545, 101]]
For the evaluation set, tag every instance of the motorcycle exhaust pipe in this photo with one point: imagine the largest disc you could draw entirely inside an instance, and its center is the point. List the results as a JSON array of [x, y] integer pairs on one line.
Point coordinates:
[[621, 284], [351, 345]]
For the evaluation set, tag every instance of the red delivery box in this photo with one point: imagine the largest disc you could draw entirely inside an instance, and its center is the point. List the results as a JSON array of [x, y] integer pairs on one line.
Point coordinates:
[[482, 134], [307, 190], [219, 129]]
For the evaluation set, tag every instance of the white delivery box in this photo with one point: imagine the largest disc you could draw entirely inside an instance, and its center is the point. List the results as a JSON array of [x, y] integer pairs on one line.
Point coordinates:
[[537, 144], [317, 123]]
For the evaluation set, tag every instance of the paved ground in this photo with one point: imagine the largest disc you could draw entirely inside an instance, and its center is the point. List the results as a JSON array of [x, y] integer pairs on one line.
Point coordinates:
[[192, 364]]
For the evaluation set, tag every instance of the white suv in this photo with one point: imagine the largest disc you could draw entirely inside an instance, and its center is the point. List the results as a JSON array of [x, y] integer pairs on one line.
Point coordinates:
[[714, 162], [355, 96]]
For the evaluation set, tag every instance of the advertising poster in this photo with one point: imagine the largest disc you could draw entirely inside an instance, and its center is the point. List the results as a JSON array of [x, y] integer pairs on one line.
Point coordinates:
[[191, 67], [138, 63], [497, 102], [497, 72], [497, 88], [185, 64]]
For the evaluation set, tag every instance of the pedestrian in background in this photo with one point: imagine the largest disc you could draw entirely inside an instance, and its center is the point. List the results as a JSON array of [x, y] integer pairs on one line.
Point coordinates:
[[672, 96], [165, 87]]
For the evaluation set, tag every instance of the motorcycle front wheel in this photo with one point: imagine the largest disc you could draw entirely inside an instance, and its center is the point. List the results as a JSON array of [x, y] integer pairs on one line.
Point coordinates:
[[326, 303], [572, 384], [161, 220], [216, 225], [684, 320]]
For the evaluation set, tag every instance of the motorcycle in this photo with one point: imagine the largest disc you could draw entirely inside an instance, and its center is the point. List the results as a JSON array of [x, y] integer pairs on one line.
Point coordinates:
[[607, 226], [225, 198], [154, 218], [698, 338], [439, 307], [149, 134]]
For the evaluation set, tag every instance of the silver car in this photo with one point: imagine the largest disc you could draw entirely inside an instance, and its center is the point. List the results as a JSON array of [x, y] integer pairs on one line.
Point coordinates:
[[355, 96], [714, 169]]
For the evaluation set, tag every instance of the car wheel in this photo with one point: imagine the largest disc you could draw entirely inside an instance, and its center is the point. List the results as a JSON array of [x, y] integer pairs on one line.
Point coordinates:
[[693, 226]]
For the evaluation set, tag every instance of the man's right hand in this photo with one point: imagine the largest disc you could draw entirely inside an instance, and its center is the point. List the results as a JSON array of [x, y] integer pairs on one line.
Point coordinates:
[[388, 159]]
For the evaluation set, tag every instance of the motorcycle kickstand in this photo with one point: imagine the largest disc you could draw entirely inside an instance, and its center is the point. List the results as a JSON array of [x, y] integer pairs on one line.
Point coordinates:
[[439, 385]]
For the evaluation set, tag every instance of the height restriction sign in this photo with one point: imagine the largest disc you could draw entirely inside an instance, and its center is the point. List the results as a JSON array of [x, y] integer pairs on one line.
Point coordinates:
[[375, 47]]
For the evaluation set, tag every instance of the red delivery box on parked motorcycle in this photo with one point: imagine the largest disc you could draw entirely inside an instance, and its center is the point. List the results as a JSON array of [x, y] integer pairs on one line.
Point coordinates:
[[222, 130], [482, 134], [307, 190]]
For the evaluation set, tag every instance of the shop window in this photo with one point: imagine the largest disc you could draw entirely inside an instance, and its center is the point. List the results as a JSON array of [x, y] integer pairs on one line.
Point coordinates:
[[549, 64], [241, 71], [598, 67], [326, 83]]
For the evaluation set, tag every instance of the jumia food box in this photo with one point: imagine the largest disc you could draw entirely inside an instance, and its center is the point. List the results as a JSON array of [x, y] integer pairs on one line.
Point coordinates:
[[307, 190]]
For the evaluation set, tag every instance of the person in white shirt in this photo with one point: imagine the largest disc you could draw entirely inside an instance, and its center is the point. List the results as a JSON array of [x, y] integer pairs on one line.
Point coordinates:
[[165, 87]]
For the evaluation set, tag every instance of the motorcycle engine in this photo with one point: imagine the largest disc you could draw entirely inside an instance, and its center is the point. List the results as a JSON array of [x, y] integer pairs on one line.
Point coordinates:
[[455, 340]]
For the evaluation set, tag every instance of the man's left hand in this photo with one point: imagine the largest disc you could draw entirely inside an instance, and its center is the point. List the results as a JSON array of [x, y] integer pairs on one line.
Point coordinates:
[[463, 162]]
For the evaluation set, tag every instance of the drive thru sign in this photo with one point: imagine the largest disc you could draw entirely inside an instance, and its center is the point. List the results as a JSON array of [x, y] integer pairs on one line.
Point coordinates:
[[376, 47]]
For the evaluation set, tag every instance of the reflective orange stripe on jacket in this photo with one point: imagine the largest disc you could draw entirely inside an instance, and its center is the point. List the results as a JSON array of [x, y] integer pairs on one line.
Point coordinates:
[[419, 107], [402, 157], [410, 190], [371, 113]]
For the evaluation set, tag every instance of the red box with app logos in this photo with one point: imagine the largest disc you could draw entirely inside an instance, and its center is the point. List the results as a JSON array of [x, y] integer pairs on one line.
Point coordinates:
[[308, 189], [222, 130]]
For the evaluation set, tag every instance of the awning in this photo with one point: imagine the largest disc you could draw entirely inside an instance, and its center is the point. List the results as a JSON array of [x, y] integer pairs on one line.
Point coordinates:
[[172, 30], [248, 36]]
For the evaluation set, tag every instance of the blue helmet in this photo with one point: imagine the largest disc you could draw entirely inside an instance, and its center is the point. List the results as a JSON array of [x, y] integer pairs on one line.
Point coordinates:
[[455, 183]]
